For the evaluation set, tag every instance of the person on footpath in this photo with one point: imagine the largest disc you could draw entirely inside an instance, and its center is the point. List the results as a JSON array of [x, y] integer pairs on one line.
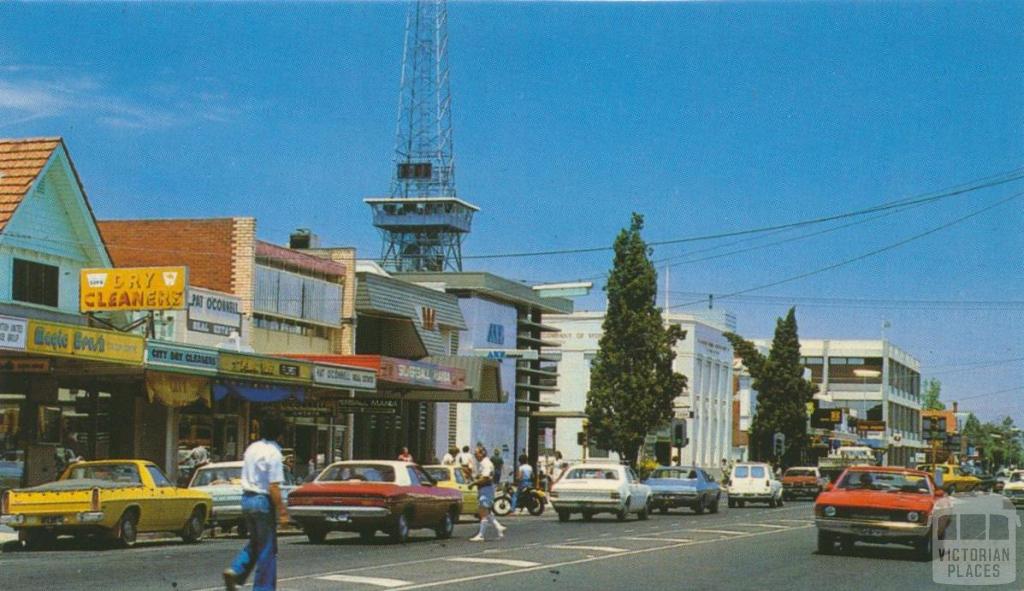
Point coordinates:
[[499, 465], [404, 455], [449, 458], [464, 458], [483, 480], [262, 509]]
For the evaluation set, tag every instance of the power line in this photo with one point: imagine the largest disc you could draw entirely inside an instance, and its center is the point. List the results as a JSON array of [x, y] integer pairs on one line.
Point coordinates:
[[983, 183], [866, 255]]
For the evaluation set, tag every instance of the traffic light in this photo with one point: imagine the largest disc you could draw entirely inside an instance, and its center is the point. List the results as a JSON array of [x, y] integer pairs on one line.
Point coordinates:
[[779, 444], [679, 438]]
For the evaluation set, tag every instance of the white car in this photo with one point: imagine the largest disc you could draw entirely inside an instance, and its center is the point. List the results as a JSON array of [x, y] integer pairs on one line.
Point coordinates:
[[592, 488], [754, 482], [1014, 489], [223, 482]]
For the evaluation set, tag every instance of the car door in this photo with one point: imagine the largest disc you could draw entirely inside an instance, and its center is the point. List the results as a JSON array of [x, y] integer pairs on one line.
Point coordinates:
[[172, 508], [704, 487], [637, 497], [469, 501], [425, 501]]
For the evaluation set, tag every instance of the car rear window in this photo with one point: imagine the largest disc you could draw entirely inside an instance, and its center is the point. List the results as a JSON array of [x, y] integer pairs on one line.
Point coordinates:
[[438, 474], [215, 476], [358, 473], [591, 474], [674, 473], [740, 472], [757, 471]]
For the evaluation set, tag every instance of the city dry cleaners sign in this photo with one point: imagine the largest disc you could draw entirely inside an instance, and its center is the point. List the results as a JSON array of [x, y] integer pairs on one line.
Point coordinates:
[[215, 313], [66, 340], [344, 377], [177, 357], [132, 289]]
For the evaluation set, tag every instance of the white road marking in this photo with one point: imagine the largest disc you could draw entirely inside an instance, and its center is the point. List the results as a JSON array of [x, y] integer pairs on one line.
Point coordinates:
[[771, 525], [608, 549], [654, 539], [801, 521], [502, 561], [719, 531], [375, 581]]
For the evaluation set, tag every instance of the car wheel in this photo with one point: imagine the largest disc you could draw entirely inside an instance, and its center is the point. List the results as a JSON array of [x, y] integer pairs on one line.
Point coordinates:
[[315, 534], [502, 506], [923, 548], [127, 529], [445, 528], [623, 512], [642, 515], [400, 530], [826, 542], [714, 505], [563, 515], [772, 503], [699, 507], [194, 529]]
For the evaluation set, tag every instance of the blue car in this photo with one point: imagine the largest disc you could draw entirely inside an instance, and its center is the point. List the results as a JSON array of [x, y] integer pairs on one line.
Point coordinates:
[[682, 486]]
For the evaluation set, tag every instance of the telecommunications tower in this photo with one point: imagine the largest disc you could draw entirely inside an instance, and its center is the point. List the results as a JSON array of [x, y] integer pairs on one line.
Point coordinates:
[[422, 222]]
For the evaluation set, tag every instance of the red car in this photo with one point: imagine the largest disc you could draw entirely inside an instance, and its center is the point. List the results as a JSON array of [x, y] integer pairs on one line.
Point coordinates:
[[879, 505], [371, 496]]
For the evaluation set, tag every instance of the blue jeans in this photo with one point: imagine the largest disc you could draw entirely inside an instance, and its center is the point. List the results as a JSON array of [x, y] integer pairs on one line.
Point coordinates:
[[519, 490], [261, 551]]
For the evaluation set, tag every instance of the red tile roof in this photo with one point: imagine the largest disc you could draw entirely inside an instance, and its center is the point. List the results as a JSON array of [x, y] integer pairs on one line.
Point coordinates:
[[299, 260], [21, 161]]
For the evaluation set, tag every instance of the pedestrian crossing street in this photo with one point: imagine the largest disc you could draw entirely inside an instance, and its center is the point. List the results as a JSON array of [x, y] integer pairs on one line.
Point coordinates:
[[473, 563]]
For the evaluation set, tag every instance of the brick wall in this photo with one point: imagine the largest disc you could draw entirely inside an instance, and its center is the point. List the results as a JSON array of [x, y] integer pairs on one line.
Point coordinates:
[[219, 252]]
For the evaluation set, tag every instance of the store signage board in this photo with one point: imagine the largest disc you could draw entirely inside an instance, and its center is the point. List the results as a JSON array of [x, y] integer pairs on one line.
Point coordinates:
[[211, 312], [499, 354], [66, 340], [12, 333], [344, 377], [132, 289], [178, 357], [24, 365], [251, 366], [401, 371], [358, 406]]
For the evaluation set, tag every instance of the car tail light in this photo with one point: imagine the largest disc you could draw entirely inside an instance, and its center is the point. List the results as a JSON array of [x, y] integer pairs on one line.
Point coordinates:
[[94, 502], [5, 502]]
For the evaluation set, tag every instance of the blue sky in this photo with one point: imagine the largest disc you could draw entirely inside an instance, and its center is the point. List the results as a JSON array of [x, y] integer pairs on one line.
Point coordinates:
[[706, 117]]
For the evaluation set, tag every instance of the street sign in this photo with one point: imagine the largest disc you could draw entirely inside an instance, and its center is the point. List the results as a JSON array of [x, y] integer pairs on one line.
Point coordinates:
[[826, 418], [499, 354], [865, 425]]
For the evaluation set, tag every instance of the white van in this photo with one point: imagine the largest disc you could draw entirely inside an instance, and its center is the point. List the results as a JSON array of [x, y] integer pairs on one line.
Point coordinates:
[[754, 482]]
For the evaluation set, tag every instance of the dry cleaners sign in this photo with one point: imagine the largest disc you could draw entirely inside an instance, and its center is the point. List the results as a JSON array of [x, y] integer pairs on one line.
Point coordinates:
[[132, 289]]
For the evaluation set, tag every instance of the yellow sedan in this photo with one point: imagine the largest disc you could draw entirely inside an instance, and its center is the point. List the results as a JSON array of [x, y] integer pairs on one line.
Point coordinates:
[[452, 477]]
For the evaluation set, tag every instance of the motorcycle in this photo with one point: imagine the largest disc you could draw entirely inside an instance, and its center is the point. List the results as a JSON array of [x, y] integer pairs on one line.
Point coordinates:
[[532, 499]]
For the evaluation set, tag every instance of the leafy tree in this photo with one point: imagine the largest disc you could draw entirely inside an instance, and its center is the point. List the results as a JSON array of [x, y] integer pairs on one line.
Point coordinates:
[[932, 390], [632, 384], [782, 393]]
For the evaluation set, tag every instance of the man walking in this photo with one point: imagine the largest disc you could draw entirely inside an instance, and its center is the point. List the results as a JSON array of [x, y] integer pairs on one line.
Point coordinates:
[[262, 509], [484, 483]]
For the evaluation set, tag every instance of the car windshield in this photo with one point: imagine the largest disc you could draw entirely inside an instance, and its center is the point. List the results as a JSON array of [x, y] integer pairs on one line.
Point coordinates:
[[885, 481], [674, 473], [217, 476], [358, 473], [438, 474], [1017, 477], [799, 472], [117, 473], [592, 474], [757, 471], [740, 472]]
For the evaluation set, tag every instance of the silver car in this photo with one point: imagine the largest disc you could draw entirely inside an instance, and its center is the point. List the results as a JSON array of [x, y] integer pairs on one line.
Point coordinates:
[[223, 482]]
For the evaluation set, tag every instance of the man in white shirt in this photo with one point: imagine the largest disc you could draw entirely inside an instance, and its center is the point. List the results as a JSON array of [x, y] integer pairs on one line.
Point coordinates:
[[464, 458], [449, 457], [262, 475], [483, 480]]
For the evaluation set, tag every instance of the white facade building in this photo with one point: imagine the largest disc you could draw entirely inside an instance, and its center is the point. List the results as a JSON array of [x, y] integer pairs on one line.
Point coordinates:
[[704, 356]]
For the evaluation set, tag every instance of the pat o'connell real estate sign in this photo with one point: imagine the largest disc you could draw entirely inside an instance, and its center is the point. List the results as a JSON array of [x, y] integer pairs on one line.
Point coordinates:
[[132, 289]]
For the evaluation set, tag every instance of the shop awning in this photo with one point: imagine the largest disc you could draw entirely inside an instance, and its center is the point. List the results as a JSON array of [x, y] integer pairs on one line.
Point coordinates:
[[256, 392], [177, 390]]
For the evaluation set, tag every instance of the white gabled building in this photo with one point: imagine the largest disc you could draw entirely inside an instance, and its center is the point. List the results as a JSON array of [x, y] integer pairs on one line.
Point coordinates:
[[704, 356]]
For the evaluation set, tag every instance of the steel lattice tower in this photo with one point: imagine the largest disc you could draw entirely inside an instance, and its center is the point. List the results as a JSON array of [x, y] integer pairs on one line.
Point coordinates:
[[423, 222]]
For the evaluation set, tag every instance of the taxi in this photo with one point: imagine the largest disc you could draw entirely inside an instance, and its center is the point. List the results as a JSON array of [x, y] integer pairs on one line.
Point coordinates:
[[454, 477]]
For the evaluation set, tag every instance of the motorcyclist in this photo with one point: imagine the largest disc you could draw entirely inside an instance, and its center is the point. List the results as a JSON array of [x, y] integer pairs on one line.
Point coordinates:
[[524, 479]]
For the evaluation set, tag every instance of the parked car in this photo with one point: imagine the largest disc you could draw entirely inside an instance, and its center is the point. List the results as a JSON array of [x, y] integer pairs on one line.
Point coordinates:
[[12, 467], [223, 482], [987, 481], [951, 477], [116, 499], [592, 488], [879, 505], [690, 487], [753, 482], [1014, 488], [371, 496], [454, 478], [802, 482]]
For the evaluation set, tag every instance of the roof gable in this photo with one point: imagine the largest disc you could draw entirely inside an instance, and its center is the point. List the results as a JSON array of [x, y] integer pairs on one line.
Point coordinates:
[[21, 163]]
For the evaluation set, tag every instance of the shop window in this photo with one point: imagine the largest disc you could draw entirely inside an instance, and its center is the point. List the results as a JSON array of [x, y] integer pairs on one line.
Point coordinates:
[[35, 283]]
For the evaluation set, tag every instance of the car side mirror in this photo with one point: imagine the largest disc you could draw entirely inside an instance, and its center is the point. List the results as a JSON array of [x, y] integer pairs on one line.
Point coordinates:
[[830, 487], [939, 493]]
